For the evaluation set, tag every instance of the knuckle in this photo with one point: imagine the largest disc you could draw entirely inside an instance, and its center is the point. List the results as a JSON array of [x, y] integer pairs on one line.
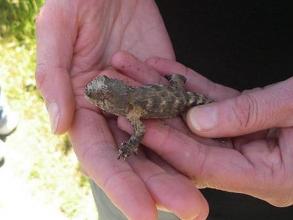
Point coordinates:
[[118, 176], [280, 196], [281, 199], [245, 110]]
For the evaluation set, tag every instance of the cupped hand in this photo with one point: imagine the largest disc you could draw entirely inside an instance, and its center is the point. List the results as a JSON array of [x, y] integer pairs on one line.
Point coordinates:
[[75, 41], [258, 158]]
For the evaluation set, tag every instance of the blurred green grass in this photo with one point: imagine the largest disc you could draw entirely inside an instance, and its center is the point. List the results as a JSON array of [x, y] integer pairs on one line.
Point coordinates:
[[44, 161], [17, 18]]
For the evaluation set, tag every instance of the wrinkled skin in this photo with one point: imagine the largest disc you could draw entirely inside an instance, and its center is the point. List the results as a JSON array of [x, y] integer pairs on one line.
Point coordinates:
[[75, 42], [256, 160]]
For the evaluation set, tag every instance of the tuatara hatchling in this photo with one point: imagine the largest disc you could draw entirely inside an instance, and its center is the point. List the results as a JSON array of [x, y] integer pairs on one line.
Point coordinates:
[[149, 101]]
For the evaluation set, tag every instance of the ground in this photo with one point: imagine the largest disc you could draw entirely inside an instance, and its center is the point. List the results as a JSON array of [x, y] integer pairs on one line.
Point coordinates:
[[17, 200], [41, 176]]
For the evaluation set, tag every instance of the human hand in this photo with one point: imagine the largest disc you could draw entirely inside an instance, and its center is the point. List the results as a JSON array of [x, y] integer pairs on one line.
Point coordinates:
[[258, 164], [75, 41]]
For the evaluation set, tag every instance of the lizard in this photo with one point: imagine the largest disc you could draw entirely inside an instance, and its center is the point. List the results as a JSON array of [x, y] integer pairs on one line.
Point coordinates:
[[137, 103]]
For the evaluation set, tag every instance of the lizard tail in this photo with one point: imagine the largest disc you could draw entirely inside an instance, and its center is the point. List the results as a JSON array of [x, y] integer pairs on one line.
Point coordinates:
[[195, 99]]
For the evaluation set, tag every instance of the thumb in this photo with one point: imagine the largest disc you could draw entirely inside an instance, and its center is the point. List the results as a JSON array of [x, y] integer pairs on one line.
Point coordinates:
[[54, 53], [251, 111]]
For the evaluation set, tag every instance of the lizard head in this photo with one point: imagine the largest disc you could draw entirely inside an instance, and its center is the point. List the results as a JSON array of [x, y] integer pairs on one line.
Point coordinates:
[[108, 94], [97, 89]]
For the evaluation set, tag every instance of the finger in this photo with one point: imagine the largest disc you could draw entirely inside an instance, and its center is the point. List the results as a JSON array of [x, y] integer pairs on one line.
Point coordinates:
[[215, 167], [286, 143], [136, 69], [55, 39], [252, 111], [97, 152], [148, 73], [245, 139], [195, 81], [171, 191], [174, 193]]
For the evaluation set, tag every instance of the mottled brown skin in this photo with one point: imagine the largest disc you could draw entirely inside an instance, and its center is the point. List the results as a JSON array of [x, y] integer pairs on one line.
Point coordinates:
[[150, 101]]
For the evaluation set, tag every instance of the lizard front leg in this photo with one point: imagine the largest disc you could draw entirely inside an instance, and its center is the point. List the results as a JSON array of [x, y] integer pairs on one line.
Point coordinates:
[[176, 80], [131, 146]]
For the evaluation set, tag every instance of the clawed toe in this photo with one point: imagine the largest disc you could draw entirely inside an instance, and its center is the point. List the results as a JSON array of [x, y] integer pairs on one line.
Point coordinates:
[[125, 150]]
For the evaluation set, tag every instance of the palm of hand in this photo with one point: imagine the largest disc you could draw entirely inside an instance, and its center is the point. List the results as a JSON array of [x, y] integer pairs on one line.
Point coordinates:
[[119, 27]]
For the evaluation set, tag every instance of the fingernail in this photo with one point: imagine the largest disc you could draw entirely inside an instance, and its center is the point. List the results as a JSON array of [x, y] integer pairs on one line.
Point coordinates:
[[203, 118], [54, 115]]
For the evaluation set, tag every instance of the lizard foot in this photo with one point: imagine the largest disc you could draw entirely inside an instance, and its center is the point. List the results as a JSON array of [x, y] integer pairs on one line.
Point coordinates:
[[126, 149]]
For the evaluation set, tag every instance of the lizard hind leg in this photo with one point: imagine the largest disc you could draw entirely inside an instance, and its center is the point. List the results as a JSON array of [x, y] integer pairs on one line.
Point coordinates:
[[176, 80], [131, 146]]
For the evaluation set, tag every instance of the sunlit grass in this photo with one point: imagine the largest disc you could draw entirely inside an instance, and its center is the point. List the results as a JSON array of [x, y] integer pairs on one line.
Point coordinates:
[[41, 159], [17, 18]]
